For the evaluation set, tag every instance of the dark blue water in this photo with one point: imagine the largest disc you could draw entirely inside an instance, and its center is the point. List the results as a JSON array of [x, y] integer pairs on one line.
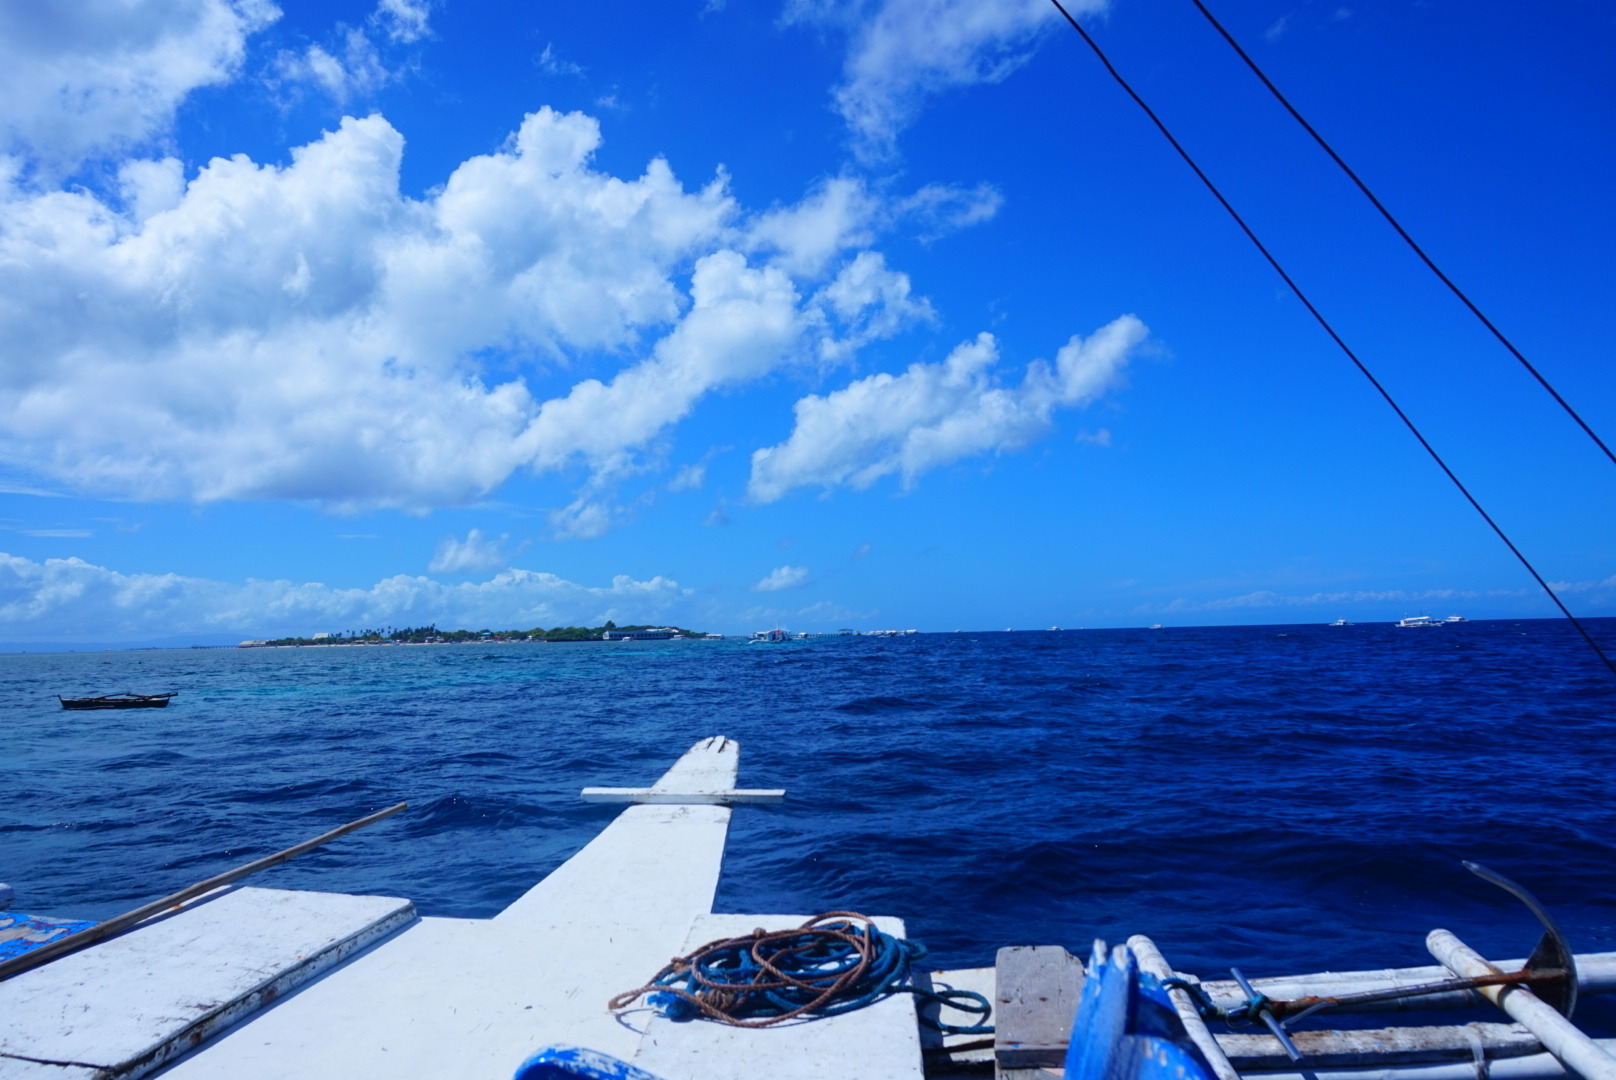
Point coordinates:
[[1283, 798]]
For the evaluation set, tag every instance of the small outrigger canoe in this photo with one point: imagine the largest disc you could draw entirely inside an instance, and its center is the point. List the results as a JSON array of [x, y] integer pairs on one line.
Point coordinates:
[[124, 700]]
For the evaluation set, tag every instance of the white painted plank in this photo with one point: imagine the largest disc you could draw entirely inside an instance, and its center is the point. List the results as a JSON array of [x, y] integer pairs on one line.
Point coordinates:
[[674, 798], [710, 765], [880, 1042], [472, 999], [447, 998], [1531, 1067], [18, 1069], [132, 1002], [947, 1049]]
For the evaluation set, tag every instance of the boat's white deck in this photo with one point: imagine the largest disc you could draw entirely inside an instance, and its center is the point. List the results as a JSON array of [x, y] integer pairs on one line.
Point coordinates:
[[882, 1040], [135, 1001], [471, 999]]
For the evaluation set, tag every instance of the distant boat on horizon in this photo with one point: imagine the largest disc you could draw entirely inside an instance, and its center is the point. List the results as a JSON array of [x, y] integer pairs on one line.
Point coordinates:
[[124, 700], [1417, 620], [1455, 618], [1340, 622]]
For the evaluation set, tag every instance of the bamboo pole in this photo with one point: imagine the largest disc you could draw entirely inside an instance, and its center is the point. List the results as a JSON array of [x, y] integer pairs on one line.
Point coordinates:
[[1151, 962], [1576, 1051], [1596, 974], [100, 931]]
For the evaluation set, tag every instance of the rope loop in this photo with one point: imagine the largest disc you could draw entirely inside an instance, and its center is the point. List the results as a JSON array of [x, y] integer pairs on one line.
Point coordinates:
[[1246, 1010], [831, 964]]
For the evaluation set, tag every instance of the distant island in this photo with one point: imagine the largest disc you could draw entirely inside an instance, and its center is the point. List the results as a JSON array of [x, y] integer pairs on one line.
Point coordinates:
[[431, 635]]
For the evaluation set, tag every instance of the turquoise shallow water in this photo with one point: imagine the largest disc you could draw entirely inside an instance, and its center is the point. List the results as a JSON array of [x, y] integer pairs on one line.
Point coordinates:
[[1281, 798]]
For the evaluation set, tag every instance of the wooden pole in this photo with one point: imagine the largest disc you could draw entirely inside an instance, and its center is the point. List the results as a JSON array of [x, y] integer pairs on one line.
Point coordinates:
[[100, 931], [1576, 1051]]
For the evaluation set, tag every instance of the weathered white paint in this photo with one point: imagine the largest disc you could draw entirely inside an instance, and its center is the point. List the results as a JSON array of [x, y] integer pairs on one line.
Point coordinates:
[[472, 999], [132, 1002], [1380, 1047], [677, 798], [1532, 1067], [1035, 995], [711, 765], [1596, 974], [664, 857], [101, 931], [1151, 962], [881, 1042], [950, 1049], [17, 1069], [1558, 1035]]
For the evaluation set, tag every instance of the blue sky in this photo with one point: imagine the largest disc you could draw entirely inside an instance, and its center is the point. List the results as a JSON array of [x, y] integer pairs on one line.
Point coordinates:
[[811, 313]]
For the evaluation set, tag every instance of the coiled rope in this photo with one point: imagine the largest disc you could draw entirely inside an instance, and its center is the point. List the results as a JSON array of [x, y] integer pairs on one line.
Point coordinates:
[[831, 964]]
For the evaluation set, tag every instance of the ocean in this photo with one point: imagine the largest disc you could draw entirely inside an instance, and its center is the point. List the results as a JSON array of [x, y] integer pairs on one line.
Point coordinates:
[[1279, 798]]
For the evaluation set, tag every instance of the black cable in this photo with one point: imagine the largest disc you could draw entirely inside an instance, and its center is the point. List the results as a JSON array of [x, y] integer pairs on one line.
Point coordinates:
[[1409, 240], [1328, 329]]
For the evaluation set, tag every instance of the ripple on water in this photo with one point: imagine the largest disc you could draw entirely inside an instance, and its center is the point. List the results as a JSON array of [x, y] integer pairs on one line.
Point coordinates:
[[1275, 802]]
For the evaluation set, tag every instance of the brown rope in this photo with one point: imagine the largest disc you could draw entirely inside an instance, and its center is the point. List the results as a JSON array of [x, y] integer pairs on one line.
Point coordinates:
[[767, 948]]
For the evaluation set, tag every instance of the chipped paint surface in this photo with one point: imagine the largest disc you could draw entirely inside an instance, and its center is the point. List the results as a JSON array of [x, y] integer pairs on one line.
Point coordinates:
[[23, 933], [130, 1004]]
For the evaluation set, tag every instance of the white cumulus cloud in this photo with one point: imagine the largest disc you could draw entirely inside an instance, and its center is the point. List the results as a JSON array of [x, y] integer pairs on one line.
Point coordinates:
[[742, 322], [475, 554], [352, 63], [782, 577], [307, 331], [903, 51], [841, 214], [404, 21], [935, 414], [68, 599], [96, 76], [352, 69]]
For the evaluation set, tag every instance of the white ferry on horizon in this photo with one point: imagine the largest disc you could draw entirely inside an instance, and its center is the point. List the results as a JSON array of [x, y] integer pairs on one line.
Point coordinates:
[[648, 633], [1417, 620]]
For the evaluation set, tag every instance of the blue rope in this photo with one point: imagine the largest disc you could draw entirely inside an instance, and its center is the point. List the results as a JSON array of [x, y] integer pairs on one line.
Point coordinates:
[[830, 965], [1247, 1010]]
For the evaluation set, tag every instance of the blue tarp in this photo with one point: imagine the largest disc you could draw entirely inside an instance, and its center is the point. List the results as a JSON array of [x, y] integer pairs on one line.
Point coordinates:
[[22, 933]]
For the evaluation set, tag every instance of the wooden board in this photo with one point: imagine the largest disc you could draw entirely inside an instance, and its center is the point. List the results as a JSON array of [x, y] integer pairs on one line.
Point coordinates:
[[1380, 1047], [133, 1002], [881, 1042], [1035, 1000]]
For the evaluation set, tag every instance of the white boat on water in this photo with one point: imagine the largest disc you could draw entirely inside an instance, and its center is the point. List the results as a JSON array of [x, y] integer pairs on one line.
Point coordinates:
[[271, 984], [1340, 622], [766, 637], [1417, 620], [1455, 618]]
